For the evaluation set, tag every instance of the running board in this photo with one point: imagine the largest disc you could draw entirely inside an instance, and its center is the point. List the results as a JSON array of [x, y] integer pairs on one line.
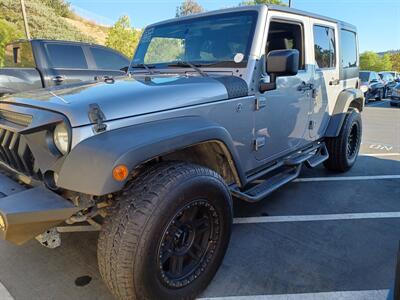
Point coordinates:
[[267, 186], [318, 158]]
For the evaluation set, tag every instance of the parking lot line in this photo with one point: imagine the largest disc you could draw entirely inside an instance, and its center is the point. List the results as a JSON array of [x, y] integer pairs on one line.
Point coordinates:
[[347, 178], [4, 294], [382, 102], [350, 295], [380, 154], [310, 218]]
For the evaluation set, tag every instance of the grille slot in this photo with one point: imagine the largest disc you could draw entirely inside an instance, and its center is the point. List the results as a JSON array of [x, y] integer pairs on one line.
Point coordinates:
[[15, 153]]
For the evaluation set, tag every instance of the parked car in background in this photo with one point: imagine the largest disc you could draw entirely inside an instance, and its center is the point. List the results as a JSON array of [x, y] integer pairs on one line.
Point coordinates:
[[388, 79], [36, 64], [395, 97], [371, 85]]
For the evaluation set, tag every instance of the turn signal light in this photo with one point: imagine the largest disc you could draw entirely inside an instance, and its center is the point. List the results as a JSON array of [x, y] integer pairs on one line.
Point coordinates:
[[120, 173], [2, 223]]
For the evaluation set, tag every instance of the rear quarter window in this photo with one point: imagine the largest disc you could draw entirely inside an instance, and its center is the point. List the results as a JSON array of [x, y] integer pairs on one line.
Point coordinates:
[[348, 48], [108, 60], [66, 56], [19, 55]]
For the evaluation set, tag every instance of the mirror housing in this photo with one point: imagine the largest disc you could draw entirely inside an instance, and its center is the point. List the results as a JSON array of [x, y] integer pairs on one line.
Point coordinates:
[[280, 63]]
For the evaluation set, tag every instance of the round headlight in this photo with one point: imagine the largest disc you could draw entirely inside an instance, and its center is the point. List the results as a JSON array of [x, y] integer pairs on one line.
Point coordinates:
[[364, 88], [61, 138]]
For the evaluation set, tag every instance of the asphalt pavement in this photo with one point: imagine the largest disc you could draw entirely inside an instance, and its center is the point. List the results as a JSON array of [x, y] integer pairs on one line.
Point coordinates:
[[324, 236]]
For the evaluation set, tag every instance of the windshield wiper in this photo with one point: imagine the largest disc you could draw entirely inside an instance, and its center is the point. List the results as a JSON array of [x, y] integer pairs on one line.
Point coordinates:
[[144, 66], [188, 64]]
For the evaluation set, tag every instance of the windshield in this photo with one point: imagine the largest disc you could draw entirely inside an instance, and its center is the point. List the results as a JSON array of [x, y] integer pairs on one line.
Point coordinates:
[[223, 38], [364, 76]]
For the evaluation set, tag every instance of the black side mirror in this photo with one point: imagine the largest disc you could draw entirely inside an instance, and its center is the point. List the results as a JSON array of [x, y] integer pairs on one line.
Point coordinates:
[[124, 69], [374, 80], [280, 63]]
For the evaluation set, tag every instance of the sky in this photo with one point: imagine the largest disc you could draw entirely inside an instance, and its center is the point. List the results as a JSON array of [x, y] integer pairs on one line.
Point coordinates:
[[378, 21]]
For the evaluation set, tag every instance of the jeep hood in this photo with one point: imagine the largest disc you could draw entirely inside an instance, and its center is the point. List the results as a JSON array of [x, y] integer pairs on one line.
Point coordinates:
[[128, 97]]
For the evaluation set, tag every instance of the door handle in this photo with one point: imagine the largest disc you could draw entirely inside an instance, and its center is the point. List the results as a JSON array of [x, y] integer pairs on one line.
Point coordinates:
[[334, 82], [58, 79], [305, 87]]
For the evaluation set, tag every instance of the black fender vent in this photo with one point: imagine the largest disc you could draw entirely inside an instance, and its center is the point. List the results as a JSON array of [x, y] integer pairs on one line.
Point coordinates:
[[235, 86]]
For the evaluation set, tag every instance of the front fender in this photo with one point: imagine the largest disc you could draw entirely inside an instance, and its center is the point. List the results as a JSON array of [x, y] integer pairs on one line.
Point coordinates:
[[346, 99], [88, 167]]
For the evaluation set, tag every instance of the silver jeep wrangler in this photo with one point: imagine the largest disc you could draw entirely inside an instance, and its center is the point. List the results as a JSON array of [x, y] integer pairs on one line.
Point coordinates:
[[217, 106]]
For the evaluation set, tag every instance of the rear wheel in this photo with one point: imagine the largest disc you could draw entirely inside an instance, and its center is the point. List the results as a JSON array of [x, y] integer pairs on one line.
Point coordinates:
[[167, 235], [343, 149]]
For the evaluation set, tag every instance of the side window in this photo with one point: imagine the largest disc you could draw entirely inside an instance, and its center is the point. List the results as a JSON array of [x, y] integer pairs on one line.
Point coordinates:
[[66, 56], [348, 47], [283, 35], [108, 60], [324, 47]]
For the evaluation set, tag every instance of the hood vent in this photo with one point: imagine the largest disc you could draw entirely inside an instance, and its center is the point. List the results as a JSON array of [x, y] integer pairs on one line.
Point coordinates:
[[16, 118]]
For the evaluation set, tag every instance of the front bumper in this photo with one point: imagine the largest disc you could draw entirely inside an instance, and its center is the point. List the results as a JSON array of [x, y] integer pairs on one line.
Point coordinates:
[[28, 212]]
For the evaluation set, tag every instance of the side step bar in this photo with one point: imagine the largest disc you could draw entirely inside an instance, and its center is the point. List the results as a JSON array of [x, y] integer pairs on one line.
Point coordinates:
[[263, 189], [280, 173], [321, 156]]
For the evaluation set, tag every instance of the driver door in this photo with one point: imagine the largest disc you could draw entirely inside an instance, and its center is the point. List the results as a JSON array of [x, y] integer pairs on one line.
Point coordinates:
[[282, 119]]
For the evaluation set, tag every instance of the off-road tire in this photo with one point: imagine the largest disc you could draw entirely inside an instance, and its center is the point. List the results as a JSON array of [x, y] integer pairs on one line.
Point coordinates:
[[130, 240], [340, 158]]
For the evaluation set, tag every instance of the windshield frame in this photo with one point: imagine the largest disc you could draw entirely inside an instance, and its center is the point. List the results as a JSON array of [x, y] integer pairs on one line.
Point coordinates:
[[202, 63]]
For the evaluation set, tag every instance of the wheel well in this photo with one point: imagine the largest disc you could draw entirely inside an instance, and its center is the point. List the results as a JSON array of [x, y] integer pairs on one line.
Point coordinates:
[[210, 154], [358, 104]]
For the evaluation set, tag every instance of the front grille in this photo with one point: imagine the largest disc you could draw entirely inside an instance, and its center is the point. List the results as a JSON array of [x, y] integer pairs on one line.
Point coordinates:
[[15, 153]]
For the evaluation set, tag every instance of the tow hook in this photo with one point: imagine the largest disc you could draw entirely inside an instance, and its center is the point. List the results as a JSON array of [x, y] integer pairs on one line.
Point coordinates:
[[51, 238]]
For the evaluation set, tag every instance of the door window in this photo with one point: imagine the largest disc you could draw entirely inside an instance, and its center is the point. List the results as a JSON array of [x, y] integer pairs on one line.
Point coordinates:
[[324, 47], [66, 56], [108, 60], [283, 35]]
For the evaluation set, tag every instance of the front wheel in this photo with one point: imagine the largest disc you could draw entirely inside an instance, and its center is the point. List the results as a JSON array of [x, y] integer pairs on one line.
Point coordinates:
[[167, 234], [379, 95], [343, 149]]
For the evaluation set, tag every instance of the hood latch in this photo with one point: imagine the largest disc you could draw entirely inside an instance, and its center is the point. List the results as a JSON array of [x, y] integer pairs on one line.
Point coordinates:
[[97, 116]]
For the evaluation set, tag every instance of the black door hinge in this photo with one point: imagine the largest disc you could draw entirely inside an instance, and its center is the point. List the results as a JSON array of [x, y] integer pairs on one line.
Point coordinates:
[[97, 116], [260, 103], [259, 142]]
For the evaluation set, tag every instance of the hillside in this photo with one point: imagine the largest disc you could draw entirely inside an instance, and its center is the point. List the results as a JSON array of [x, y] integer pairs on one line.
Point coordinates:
[[46, 21]]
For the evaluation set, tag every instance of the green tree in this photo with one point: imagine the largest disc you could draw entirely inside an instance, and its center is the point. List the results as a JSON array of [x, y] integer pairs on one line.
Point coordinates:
[[123, 37], [255, 2], [8, 33], [372, 61], [384, 63], [43, 21], [188, 7], [61, 7], [395, 59]]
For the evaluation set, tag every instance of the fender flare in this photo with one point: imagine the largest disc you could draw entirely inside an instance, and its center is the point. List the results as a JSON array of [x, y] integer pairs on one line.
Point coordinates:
[[88, 167], [347, 98]]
